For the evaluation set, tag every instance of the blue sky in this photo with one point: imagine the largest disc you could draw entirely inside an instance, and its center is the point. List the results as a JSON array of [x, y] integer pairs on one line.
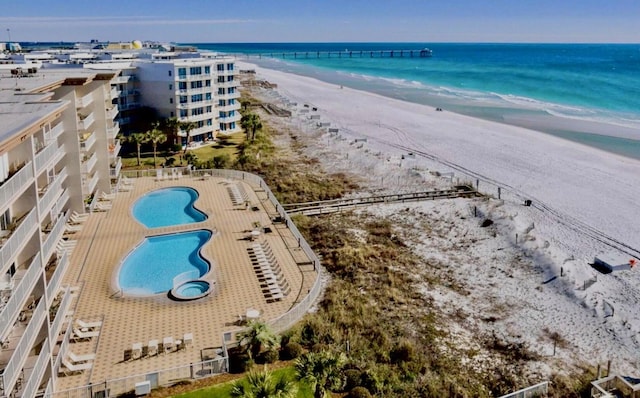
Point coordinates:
[[566, 21]]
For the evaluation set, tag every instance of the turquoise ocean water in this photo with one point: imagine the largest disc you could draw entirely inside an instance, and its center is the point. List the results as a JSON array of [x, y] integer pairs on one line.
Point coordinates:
[[588, 93]]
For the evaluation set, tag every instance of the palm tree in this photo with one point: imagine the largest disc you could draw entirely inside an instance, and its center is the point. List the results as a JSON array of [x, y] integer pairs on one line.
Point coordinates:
[[322, 370], [188, 127], [263, 385], [251, 123], [258, 337], [138, 139], [171, 127], [155, 136]]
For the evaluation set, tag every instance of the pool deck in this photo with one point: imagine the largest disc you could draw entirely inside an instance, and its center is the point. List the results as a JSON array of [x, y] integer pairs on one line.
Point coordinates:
[[107, 237]]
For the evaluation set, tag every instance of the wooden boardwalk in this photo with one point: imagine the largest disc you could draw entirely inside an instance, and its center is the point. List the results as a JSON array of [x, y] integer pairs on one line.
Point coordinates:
[[337, 205]]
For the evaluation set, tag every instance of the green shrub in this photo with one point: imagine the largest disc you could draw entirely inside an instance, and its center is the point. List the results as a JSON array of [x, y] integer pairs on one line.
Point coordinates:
[[239, 361], [291, 350], [352, 379], [359, 392], [269, 356]]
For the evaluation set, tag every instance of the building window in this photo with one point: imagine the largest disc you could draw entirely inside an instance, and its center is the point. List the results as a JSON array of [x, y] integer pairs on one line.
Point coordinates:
[[184, 113], [223, 127], [182, 72], [232, 101], [182, 85], [207, 70], [209, 109], [221, 91], [220, 67], [196, 98], [231, 90], [196, 84], [229, 66], [220, 79], [221, 103], [230, 78], [172, 114], [207, 83], [171, 100], [207, 96], [197, 111], [209, 122], [195, 70], [232, 125], [169, 73], [170, 86], [232, 113], [183, 99]]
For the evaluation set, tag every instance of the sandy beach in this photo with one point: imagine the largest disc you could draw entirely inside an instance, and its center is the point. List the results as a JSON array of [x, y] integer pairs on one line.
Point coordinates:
[[585, 203]]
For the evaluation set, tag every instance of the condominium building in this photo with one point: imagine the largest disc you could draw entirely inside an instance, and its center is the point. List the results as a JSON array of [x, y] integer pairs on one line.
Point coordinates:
[[57, 152], [202, 90]]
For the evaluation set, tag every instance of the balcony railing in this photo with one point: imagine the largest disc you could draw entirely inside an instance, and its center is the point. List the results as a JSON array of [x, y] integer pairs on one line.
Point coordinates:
[[34, 379], [19, 295], [89, 186], [18, 238], [85, 122], [61, 315], [88, 164], [45, 156], [62, 201], [235, 94], [230, 107], [86, 144], [114, 171], [51, 193], [232, 83], [114, 149], [54, 132], [21, 352], [129, 106], [112, 113], [230, 119], [62, 352], [16, 184], [113, 130], [114, 93], [54, 284], [121, 79], [84, 101], [53, 237]]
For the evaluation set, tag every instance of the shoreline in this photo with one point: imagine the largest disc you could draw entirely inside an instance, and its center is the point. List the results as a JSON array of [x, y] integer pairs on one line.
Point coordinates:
[[611, 136], [580, 195]]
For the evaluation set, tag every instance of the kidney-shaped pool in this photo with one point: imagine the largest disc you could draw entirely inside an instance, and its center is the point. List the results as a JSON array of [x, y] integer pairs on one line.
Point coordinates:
[[150, 268], [168, 206]]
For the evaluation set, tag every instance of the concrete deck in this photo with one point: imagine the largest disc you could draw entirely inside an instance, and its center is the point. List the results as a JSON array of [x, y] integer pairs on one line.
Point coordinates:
[[107, 238]]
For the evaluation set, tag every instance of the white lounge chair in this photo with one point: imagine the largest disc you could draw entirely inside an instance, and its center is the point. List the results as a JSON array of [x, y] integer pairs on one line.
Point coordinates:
[[167, 344], [80, 335], [88, 325], [136, 350], [79, 216], [73, 228], [80, 358], [107, 196], [152, 348], [187, 340], [69, 368]]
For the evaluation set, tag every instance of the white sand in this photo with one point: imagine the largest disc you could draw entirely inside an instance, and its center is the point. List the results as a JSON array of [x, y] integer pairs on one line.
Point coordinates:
[[584, 199]]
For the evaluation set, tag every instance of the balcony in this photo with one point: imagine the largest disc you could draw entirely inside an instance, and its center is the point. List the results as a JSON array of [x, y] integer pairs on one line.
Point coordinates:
[[233, 95], [21, 292], [45, 156], [53, 237], [34, 378], [114, 93], [54, 132], [84, 101], [85, 121], [53, 285], [87, 140], [197, 118], [112, 113], [130, 92], [130, 105], [122, 79], [19, 237], [113, 131], [114, 148], [50, 193], [89, 185], [16, 184], [227, 108], [62, 201], [61, 314], [232, 83], [12, 370], [114, 171], [88, 164], [230, 119]]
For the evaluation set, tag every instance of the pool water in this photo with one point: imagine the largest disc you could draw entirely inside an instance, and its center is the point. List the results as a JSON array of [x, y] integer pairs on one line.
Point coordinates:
[[168, 206], [150, 267]]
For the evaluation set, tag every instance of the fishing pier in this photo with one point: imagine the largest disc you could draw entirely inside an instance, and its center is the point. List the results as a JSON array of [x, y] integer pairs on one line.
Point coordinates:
[[423, 53]]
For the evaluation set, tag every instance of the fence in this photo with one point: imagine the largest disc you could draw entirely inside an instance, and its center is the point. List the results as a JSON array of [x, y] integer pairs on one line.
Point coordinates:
[[220, 363], [539, 390]]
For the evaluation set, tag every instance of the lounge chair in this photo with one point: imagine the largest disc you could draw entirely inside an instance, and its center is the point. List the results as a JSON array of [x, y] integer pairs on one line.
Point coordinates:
[[107, 196], [88, 325], [136, 350], [152, 348], [187, 340], [79, 216], [80, 358], [73, 228], [167, 344], [80, 335], [69, 368]]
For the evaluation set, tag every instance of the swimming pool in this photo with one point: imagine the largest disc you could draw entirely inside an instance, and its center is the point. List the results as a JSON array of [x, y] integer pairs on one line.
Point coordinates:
[[168, 206], [150, 268]]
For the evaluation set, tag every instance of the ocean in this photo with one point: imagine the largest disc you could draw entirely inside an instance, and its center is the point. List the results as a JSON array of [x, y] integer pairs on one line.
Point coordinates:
[[587, 93]]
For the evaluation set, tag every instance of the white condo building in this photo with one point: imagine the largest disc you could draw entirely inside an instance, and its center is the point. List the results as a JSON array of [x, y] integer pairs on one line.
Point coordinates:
[[58, 151]]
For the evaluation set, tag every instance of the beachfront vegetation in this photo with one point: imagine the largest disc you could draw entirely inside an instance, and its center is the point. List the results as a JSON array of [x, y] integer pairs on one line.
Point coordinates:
[[155, 136]]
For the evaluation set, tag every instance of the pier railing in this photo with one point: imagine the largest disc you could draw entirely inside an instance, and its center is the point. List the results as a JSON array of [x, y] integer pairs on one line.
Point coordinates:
[[401, 53]]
